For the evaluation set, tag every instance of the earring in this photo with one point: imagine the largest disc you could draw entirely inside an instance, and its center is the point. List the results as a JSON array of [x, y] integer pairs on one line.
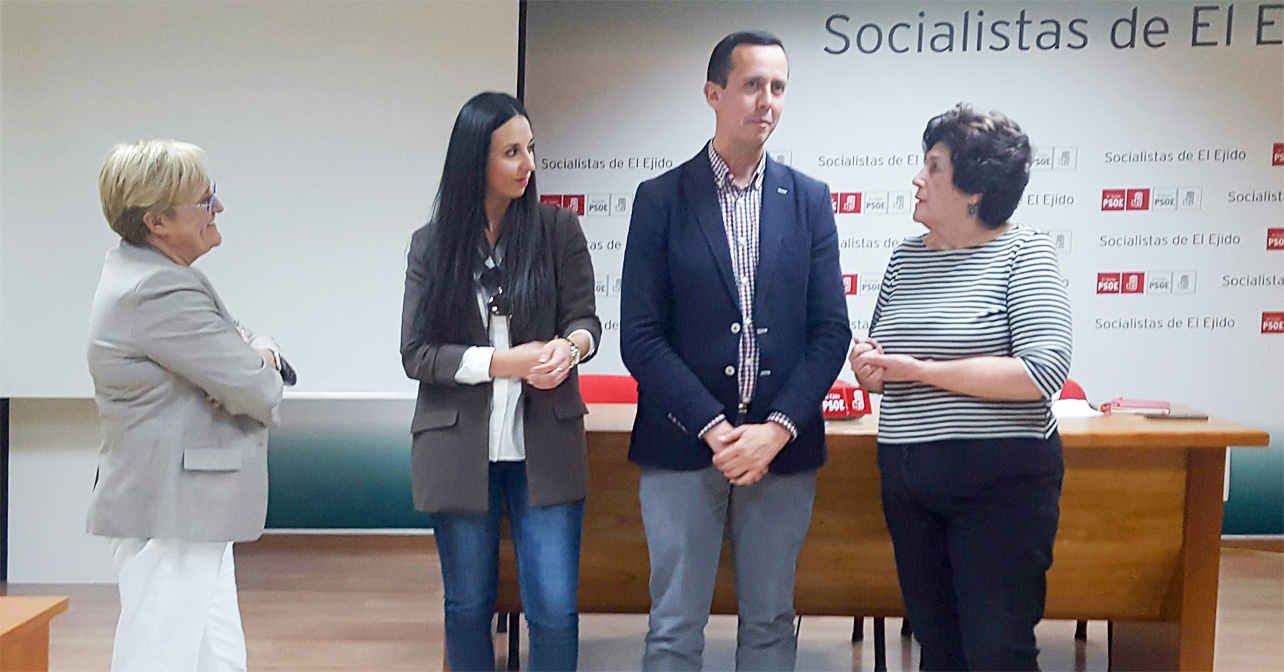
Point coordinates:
[[971, 210]]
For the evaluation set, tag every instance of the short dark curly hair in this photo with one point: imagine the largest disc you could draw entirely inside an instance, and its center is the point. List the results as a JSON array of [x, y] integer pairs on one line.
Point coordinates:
[[991, 156]]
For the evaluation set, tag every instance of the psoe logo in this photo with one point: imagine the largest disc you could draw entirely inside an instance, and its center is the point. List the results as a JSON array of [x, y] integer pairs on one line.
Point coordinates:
[[1146, 282], [1151, 198], [591, 205], [846, 203], [1054, 158], [1277, 154], [1113, 199], [572, 202], [853, 285], [886, 202], [1273, 322], [1275, 239]]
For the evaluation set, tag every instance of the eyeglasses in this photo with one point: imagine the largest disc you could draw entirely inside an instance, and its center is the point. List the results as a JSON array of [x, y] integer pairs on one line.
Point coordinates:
[[207, 203], [492, 280]]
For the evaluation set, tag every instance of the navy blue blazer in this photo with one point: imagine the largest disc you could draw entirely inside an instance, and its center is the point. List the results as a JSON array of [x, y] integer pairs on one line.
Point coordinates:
[[680, 319]]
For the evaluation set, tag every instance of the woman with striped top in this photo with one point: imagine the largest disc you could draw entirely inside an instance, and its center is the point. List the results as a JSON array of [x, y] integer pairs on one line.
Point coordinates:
[[969, 342]]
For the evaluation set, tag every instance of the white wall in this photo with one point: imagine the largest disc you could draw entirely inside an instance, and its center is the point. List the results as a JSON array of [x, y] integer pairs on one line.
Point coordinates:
[[52, 462], [326, 124]]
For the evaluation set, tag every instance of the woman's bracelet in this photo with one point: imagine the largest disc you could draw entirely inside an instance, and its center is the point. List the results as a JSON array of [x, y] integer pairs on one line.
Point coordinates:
[[575, 351]]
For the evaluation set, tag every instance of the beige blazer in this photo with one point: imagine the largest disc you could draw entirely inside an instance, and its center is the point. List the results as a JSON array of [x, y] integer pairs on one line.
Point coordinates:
[[174, 465], [450, 457]]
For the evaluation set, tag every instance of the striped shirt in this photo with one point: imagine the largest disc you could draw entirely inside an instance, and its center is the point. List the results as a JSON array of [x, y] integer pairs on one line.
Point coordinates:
[[1005, 298], [741, 208]]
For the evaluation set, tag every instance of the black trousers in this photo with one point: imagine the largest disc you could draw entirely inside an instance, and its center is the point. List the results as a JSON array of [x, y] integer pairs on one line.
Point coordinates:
[[973, 522]]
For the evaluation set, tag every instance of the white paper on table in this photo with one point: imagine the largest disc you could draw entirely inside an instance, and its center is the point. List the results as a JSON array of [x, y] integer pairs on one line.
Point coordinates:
[[1073, 408]]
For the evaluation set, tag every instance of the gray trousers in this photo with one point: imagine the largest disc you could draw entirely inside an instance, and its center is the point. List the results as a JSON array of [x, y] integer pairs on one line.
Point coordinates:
[[686, 514]]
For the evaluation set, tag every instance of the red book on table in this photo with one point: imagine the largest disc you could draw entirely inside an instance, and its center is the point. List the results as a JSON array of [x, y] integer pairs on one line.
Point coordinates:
[[1145, 406]]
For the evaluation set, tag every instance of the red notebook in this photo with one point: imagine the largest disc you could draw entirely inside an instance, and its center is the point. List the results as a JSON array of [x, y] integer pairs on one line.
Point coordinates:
[[1141, 406]]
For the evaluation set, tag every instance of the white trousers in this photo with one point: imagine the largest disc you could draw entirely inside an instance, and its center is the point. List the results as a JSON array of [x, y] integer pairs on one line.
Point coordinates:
[[178, 607]]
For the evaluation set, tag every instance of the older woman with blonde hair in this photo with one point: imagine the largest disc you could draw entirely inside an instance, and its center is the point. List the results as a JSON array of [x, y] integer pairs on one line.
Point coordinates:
[[185, 397]]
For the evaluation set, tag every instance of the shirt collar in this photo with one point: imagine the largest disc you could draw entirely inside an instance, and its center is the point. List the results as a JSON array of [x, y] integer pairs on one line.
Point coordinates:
[[722, 174]]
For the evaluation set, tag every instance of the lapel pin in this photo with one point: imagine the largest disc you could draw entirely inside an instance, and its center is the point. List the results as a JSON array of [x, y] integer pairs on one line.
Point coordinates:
[[781, 190]]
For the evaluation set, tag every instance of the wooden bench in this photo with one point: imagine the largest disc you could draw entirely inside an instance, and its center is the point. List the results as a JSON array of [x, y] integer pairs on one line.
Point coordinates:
[[24, 631]]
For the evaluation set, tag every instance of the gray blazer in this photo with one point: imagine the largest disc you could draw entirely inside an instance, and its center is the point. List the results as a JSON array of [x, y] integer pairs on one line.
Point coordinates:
[[172, 464], [450, 457]]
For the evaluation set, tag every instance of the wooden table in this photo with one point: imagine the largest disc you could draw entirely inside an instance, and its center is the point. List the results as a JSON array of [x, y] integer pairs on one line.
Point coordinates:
[[24, 631], [1138, 543]]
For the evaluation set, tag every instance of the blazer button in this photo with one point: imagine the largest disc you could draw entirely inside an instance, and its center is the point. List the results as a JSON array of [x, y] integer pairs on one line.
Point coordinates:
[[735, 328], [730, 370]]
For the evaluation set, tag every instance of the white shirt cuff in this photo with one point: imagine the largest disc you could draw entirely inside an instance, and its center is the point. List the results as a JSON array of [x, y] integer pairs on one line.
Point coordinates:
[[474, 368], [592, 344]]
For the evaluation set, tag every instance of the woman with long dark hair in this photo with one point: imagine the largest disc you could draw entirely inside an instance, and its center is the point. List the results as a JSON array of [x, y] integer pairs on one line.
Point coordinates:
[[498, 313]]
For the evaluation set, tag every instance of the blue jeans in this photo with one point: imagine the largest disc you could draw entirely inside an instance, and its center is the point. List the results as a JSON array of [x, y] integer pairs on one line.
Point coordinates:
[[547, 540]]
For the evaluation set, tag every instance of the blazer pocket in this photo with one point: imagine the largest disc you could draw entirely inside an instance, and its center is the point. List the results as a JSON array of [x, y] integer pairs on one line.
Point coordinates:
[[433, 420], [569, 407], [213, 459]]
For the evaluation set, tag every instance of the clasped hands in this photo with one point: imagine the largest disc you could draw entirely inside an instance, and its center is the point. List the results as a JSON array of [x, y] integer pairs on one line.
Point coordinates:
[[873, 367], [542, 364], [743, 453], [270, 357]]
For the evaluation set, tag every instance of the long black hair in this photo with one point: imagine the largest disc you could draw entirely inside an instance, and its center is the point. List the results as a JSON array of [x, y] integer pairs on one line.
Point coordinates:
[[457, 232]]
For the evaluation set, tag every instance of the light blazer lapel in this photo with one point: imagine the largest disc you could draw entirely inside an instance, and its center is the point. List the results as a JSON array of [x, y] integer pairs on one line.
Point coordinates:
[[708, 214], [218, 300], [154, 257], [777, 197]]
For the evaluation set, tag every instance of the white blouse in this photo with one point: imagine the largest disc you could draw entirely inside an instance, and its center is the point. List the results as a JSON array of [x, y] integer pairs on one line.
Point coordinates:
[[507, 440]]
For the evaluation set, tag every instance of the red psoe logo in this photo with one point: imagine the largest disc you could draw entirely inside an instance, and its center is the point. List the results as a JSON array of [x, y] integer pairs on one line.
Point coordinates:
[[845, 400], [1275, 239], [849, 203], [1112, 199], [1133, 283], [1273, 323], [1277, 155], [833, 198], [574, 203], [1138, 199], [850, 284], [1108, 283], [555, 199]]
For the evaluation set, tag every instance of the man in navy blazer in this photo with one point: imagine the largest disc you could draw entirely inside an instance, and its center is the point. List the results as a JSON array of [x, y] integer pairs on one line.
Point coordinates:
[[734, 323]]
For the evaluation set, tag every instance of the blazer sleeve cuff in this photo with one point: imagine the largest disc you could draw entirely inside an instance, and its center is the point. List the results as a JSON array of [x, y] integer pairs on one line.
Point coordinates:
[[590, 326], [447, 361]]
